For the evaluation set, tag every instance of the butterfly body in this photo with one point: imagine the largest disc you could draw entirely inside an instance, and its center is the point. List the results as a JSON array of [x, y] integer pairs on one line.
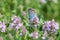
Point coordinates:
[[32, 15]]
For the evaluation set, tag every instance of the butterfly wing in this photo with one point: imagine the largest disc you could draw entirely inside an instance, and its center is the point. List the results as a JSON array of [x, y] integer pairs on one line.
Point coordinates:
[[31, 16]]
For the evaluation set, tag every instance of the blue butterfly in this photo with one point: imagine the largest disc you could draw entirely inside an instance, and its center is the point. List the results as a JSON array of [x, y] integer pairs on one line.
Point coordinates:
[[31, 14], [33, 18]]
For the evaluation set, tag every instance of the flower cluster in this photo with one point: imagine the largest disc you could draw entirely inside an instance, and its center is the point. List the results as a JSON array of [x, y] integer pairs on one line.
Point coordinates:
[[34, 35], [2, 26], [44, 35], [16, 22], [50, 26], [23, 31]]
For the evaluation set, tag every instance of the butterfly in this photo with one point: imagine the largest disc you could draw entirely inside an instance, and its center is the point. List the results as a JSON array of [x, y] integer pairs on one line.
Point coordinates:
[[33, 18], [31, 13]]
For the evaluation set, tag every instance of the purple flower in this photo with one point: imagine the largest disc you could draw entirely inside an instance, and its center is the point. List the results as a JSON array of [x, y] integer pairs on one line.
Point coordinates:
[[15, 19], [34, 35], [46, 25], [16, 22], [55, 24], [2, 26], [19, 25], [23, 31], [44, 35], [11, 25], [50, 26], [3, 30]]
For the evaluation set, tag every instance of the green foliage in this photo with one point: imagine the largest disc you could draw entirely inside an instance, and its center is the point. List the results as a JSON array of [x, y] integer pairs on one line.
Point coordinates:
[[46, 11]]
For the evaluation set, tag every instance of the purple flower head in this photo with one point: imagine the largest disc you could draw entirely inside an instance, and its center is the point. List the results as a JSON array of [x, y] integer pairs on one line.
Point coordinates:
[[50, 26], [55, 24], [11, 25], [44, 35], [18, 26], [3, 30], [16, 22], [34, 35], [46, 25], [2, 26], [23, 31], [15, 19]]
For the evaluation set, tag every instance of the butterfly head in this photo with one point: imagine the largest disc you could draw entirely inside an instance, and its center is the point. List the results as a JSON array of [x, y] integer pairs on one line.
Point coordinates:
[[30, 10]]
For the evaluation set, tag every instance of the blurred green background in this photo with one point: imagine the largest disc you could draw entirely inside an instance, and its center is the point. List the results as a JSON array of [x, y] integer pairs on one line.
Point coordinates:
[[47, 11]]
